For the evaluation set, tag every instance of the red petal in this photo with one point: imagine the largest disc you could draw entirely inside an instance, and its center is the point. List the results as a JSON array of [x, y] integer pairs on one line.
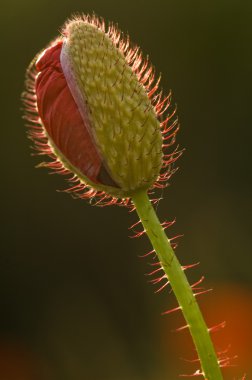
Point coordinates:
[[61, 117]]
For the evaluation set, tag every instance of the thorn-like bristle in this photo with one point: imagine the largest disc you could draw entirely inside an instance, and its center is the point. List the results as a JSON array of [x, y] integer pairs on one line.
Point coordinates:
[[202, 292], [137, 234], [217, 327], [185, 267], [158, 279], [171, 310], [154, 272], [181, 328], [134, 225], [148, 253], [168, 224], [195, 374], [162, 287], [191, 360], [194, 286]]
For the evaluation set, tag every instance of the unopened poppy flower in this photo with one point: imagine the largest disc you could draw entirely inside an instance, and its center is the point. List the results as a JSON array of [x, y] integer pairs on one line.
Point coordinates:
[[95, 108]]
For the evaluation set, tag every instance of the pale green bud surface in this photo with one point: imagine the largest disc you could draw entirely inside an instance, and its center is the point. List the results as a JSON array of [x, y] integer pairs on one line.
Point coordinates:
[[121, 118]]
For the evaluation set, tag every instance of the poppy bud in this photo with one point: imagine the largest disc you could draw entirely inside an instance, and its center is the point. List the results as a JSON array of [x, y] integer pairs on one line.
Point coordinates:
[[94, 107]]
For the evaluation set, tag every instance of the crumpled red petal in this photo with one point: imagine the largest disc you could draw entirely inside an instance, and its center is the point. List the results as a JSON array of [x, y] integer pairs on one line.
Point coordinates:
[[60, 115]]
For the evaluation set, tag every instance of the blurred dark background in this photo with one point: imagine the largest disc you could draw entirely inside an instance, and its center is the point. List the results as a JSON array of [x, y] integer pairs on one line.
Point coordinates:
[[75, 304]]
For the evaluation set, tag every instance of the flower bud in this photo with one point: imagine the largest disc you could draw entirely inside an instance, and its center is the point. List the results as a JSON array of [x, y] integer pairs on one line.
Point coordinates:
[[95, 110]]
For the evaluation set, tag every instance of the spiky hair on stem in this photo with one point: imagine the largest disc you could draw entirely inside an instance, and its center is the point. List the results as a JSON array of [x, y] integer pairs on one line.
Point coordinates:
[[94, 107]]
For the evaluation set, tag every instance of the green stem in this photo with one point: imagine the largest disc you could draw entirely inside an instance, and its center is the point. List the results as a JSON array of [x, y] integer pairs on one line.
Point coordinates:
[[180, 286]]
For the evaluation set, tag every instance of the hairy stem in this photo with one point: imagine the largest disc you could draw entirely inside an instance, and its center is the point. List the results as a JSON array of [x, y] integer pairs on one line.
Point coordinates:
[[180, 286]]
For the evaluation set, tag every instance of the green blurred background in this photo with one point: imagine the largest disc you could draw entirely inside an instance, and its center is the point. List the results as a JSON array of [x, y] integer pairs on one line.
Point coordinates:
[[75, 304]]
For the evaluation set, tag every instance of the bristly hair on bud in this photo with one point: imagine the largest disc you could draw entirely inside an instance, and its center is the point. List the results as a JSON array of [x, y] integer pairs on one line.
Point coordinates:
[[94, 107]]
